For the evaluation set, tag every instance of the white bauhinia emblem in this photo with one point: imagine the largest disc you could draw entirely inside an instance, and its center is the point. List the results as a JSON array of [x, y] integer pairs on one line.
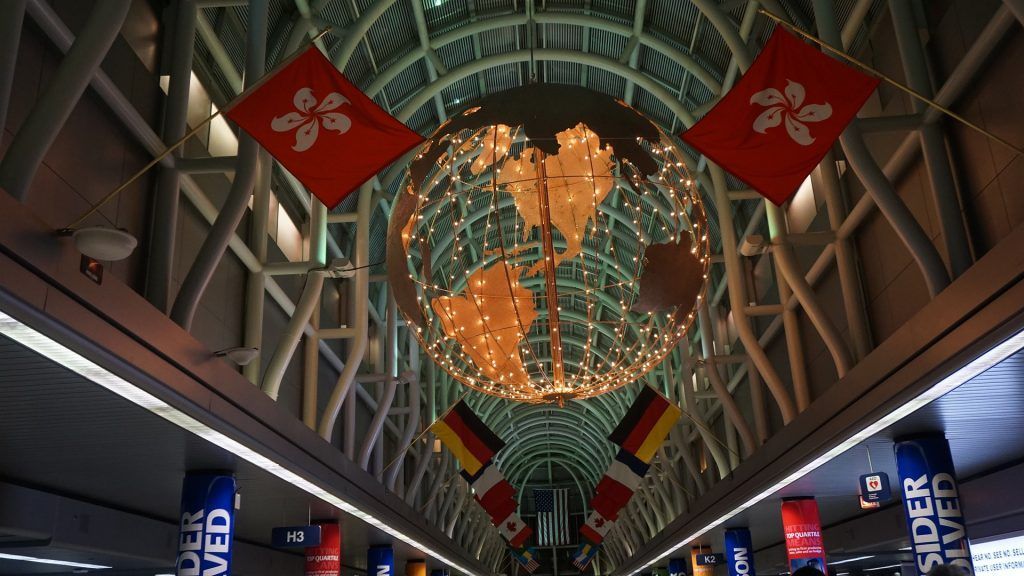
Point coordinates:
[[311, 116], [788, 109]]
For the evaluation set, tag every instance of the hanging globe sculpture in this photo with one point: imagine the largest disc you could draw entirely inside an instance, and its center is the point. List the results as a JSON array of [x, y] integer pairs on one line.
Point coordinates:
[[548, 244]]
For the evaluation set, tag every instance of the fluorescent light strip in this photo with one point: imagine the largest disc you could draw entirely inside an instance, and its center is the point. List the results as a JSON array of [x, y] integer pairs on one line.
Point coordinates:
[[77, 363], [883, 567], [850, 560], [53, 562], [965, 373]]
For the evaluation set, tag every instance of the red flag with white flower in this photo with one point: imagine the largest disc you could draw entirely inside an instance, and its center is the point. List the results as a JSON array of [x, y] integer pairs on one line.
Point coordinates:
[[782, 116], [319, 126]]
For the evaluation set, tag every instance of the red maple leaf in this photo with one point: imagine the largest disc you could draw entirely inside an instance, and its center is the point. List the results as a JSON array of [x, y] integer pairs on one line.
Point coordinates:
[[599, 522], [511, 526]]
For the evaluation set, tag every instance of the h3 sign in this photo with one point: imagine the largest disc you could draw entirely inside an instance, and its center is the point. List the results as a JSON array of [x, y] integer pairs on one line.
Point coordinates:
[[295, 536]]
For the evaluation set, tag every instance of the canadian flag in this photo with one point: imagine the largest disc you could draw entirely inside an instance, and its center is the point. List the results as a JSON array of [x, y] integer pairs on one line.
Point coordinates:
[[783, 115], [596, 527], [319, 126], [513, 529]]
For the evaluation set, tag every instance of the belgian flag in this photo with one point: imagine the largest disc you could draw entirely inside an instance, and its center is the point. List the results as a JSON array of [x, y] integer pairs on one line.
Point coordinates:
[[467, 437], [646, 424]]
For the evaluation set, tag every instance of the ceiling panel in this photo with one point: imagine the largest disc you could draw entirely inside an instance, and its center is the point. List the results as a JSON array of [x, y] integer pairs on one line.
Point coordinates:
[[62, 434]]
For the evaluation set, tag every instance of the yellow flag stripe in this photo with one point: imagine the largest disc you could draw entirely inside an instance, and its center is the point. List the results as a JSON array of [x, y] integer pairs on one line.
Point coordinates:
[[658, 432], [456, 447]]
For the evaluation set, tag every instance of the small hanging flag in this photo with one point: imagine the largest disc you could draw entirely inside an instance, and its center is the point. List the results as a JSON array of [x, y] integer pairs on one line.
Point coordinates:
[[527, 558], [583, 555]]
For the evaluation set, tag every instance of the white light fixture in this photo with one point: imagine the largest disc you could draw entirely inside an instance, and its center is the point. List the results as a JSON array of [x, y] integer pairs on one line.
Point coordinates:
[[980, 364], [883, 567], [52, 562], [105, 244], [850, 560], [241, 355], [49, 348]]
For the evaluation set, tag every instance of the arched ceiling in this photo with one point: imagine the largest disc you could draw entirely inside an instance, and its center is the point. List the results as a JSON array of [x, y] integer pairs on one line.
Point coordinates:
[[424, 60]]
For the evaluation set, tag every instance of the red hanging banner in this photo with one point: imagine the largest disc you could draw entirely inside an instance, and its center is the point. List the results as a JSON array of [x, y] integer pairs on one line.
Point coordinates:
[[325, 559], [802, 527]]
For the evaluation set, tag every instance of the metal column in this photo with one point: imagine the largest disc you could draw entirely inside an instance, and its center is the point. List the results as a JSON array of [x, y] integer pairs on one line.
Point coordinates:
[[933, 146], [223, 229], [54, 106], [163, 230], [12, 16]]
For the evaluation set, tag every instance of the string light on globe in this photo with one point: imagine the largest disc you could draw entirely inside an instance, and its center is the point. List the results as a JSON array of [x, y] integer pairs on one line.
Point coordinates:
[[548, 244]]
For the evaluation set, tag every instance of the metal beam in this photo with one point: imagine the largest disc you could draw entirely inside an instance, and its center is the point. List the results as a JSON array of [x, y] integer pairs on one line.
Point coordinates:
[[55, 103]]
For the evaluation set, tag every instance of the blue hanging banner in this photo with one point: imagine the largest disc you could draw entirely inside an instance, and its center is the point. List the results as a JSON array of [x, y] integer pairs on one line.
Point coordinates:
[[380, 561], [931, 503], [207, 525], [739, 552], [677, 566]]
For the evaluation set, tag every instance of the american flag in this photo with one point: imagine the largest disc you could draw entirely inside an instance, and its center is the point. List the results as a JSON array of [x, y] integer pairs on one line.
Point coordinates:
[[552, 516]]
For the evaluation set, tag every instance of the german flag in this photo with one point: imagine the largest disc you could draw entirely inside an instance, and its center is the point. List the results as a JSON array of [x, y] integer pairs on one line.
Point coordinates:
[[646, 424], [467, 437]]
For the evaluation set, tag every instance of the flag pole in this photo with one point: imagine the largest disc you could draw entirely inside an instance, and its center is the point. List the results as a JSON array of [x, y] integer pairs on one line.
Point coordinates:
[[423, 433], [881, 76], [67, 230]]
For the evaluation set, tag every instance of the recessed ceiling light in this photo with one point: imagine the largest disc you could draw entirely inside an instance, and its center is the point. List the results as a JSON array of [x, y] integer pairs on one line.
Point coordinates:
[[51, 561], [850, 560]]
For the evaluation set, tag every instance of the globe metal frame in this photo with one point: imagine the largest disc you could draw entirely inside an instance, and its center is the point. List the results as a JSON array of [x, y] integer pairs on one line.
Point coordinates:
[[573, 329]]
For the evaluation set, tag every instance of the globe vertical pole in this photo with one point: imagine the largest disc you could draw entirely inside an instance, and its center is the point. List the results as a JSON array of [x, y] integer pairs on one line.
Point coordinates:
[[549, 278]]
